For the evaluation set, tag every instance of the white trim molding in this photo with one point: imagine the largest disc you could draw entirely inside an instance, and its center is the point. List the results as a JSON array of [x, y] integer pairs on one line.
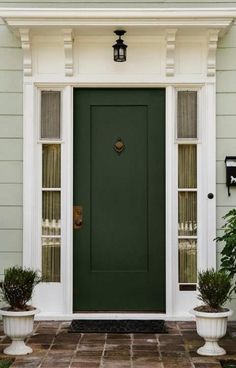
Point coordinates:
[[208, 18], [68, 50], [170, 51], [211, 57], [26, 47]]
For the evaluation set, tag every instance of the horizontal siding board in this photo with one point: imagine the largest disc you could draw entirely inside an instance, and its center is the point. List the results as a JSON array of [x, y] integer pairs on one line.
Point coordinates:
[[226, 59], [11, 126], [226, 104], [225, 147], [11, 103], [222, 195], [11, 149], [11, 59], [232, 305], [7, 38], [11, 217], [11, 172], [11, 81], [229, 39], [8, 259], [11, 240], [220, 172], [226, 81], [11, 194], [219, 245], [226, 126]]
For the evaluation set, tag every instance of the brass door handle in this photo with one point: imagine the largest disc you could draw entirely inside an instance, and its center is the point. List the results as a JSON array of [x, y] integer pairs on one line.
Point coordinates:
[[77, 217]]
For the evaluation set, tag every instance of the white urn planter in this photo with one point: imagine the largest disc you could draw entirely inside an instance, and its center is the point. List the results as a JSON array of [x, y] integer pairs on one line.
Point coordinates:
[[211, 326], [18, 326]]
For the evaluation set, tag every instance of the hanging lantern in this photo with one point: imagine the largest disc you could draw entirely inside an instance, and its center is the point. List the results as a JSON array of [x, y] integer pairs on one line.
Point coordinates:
[[119, 47]]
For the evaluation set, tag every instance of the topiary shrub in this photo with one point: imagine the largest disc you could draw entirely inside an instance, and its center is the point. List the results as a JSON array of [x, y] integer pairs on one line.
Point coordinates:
[[17, 287], [214, 290]]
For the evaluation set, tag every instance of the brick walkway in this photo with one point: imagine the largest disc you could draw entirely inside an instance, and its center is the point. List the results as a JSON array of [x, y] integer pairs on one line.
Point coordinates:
[[54, 347]]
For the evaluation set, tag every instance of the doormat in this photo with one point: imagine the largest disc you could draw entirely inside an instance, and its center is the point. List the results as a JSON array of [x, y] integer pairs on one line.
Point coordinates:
[[117, 326], [228, 363]]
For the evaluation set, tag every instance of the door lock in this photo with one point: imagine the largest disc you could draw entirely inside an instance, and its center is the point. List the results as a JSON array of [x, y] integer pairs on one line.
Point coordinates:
[[77, 217]]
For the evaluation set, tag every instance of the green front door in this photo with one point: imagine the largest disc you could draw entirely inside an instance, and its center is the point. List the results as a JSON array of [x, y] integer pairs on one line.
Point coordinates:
[[119, 180]]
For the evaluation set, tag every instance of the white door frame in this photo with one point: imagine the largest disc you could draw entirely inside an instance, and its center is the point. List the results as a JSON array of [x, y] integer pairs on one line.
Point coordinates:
[[58, 296]]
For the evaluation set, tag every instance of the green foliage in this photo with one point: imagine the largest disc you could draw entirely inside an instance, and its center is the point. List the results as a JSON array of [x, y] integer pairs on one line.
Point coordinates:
[[5, 363], [228, 260], [18, 285], [214, 288]]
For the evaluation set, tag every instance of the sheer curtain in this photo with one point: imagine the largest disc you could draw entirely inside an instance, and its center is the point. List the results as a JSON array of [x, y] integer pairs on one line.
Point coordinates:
[[51, 211], [50, 114], [187, 114], [51, 185], [187, 184]]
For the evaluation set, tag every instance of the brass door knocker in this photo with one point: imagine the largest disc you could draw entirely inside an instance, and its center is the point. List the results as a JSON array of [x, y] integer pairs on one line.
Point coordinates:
[[119, 146]]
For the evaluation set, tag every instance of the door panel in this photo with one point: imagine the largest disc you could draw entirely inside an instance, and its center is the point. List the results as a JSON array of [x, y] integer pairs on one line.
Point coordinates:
[[119, 253]]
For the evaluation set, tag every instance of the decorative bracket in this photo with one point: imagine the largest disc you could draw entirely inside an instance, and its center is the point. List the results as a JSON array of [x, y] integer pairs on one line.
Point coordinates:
[[170, 51], [68, 50], [26, 47], [211, 56]]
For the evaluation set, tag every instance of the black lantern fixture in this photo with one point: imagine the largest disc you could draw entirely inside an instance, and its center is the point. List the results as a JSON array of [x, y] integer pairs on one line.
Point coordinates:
[[119, 47]]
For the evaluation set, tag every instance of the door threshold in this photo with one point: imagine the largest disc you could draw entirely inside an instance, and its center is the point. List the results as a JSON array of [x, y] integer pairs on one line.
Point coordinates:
[[141, 316]]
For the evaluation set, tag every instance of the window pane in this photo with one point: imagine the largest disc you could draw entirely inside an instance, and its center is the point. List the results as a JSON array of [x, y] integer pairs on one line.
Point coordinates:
[[187, 261], [187, 114], [51, 259], [187, 213], [51, 166], [50, 114], [51, 213], [187, 169]]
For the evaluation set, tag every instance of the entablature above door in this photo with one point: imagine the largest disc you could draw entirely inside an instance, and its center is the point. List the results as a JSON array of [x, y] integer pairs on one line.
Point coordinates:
[[162, 43]]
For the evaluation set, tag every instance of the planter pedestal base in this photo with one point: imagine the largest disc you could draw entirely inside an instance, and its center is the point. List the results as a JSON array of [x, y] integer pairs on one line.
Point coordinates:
[[211, 327], [18, 326], [211, 348], [17, 348]]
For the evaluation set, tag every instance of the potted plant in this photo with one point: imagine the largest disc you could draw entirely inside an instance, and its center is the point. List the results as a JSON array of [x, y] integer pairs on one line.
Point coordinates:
[[211, 318], [18, 317]]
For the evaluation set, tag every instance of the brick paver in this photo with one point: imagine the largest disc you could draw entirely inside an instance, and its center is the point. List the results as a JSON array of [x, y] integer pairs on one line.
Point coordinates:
[[54, 347]]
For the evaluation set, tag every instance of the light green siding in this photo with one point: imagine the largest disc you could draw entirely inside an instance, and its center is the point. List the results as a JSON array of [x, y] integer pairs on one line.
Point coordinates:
[[226, 125], [11, 240], [11, 125], [11, 81], [11, 88], [11, 172]]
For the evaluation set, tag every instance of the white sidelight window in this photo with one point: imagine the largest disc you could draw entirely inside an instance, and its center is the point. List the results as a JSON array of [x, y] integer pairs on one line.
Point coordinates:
[[187, 140], [50, 135]]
